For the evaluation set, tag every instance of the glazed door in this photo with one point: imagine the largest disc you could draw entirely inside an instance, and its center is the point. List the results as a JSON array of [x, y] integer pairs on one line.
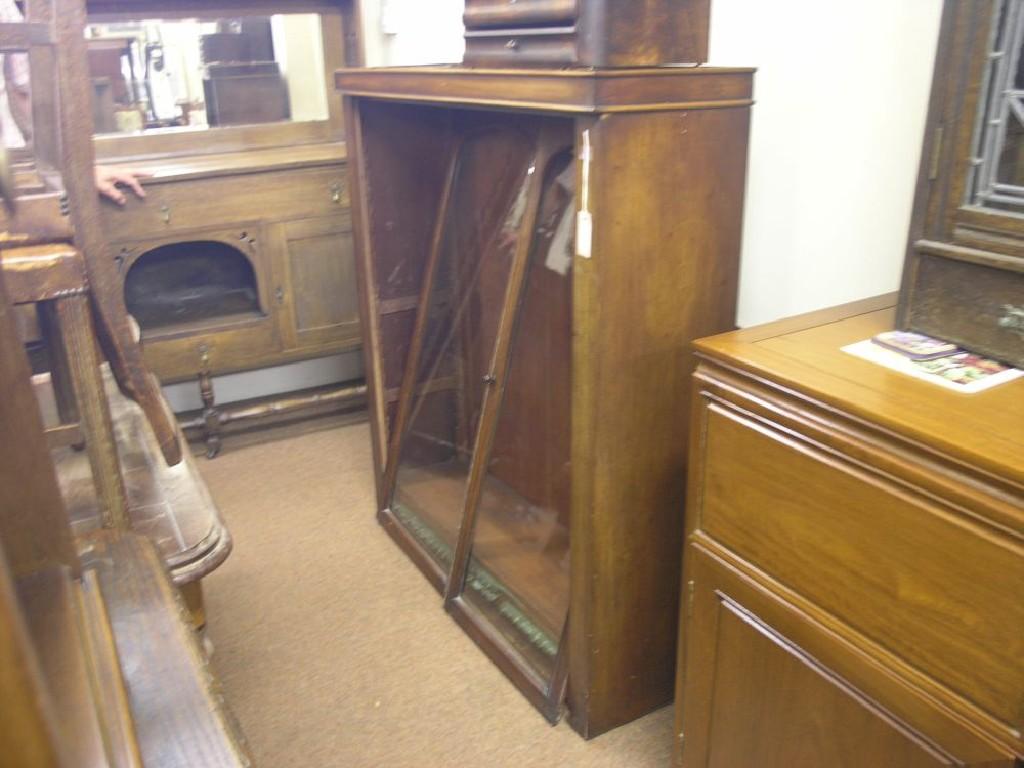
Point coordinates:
[[478, 473], [466, 279], [765, 686], [510, 578]]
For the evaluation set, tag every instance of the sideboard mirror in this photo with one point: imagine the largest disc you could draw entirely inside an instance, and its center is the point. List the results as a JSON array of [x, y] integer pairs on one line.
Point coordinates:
[[183, 78], [165, 74]]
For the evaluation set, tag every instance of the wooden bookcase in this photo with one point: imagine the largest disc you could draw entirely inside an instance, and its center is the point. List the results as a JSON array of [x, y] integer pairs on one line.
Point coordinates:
[[536, 251]]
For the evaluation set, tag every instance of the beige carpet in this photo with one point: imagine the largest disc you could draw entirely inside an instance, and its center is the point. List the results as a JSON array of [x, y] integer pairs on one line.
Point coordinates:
[[334, 651]]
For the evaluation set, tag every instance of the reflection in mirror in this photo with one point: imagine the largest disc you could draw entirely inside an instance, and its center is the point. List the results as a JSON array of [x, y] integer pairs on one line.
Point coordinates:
[[998, 173], [157, 74]]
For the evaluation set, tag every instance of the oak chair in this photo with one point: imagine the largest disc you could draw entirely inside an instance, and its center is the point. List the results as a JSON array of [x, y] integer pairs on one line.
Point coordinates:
[[98, 662]]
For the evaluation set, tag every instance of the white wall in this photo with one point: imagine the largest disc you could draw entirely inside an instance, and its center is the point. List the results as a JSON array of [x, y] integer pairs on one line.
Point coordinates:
[[299, 49], [405, 32], [841, 91]]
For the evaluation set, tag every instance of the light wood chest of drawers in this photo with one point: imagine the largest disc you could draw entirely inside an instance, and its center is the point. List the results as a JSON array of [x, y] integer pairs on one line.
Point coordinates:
[[854, 558]]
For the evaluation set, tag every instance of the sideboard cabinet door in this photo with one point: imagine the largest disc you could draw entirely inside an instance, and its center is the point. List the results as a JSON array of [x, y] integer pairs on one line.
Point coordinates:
[[765, 686], [317, 293]]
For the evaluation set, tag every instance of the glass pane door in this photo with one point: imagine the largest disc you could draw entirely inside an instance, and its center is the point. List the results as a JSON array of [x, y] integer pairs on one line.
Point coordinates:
[[517, 579], [466, 289]]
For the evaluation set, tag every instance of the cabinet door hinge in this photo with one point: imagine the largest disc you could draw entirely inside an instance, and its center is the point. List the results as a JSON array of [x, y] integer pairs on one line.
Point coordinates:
[[690, 586]]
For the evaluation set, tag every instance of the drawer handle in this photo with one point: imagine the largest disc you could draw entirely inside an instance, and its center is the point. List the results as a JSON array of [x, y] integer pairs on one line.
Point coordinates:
[[512, 44], [165, 214], [336, 192], [279, 295]]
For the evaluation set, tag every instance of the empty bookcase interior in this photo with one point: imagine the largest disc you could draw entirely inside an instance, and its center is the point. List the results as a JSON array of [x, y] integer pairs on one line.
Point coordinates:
[[526, 374]]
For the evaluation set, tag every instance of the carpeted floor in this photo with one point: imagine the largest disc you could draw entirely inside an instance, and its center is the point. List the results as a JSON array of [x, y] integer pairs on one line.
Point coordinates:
[[334, 651]]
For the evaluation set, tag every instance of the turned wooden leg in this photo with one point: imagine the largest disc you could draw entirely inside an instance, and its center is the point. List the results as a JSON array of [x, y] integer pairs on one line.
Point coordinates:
[[74, 320], [211, 416]]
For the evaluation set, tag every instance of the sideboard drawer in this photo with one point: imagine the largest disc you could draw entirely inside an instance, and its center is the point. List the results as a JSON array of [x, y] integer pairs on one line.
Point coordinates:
[[177, 206], [519, 13], [914, 575]]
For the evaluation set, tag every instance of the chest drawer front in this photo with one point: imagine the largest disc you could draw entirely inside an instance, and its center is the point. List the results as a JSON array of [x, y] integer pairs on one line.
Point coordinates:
[[977, 306], [518, 13], [521, 48], [918, 579]]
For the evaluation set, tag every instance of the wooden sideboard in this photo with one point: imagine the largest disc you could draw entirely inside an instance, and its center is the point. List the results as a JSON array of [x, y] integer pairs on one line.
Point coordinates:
[[854, 558], [240, 257], [240, 261], [285, 212]]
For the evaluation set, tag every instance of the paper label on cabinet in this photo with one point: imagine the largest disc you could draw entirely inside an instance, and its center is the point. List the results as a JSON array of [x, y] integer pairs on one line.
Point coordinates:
[[584, 234]]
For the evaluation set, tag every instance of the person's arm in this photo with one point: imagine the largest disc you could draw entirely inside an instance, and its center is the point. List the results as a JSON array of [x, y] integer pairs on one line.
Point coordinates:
[[109, 181]]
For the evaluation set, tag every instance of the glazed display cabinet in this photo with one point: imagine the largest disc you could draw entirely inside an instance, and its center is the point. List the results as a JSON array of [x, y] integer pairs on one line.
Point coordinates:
[[536, 251]]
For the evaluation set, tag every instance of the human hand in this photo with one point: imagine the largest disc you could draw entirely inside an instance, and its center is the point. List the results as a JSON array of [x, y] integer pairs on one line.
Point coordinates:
[[109, 179]]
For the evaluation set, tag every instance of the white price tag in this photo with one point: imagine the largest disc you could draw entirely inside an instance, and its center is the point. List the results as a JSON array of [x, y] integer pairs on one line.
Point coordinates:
[[584, 234]]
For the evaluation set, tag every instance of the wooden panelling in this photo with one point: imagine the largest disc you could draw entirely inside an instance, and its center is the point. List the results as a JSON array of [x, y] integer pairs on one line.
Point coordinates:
[[321, 282]]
